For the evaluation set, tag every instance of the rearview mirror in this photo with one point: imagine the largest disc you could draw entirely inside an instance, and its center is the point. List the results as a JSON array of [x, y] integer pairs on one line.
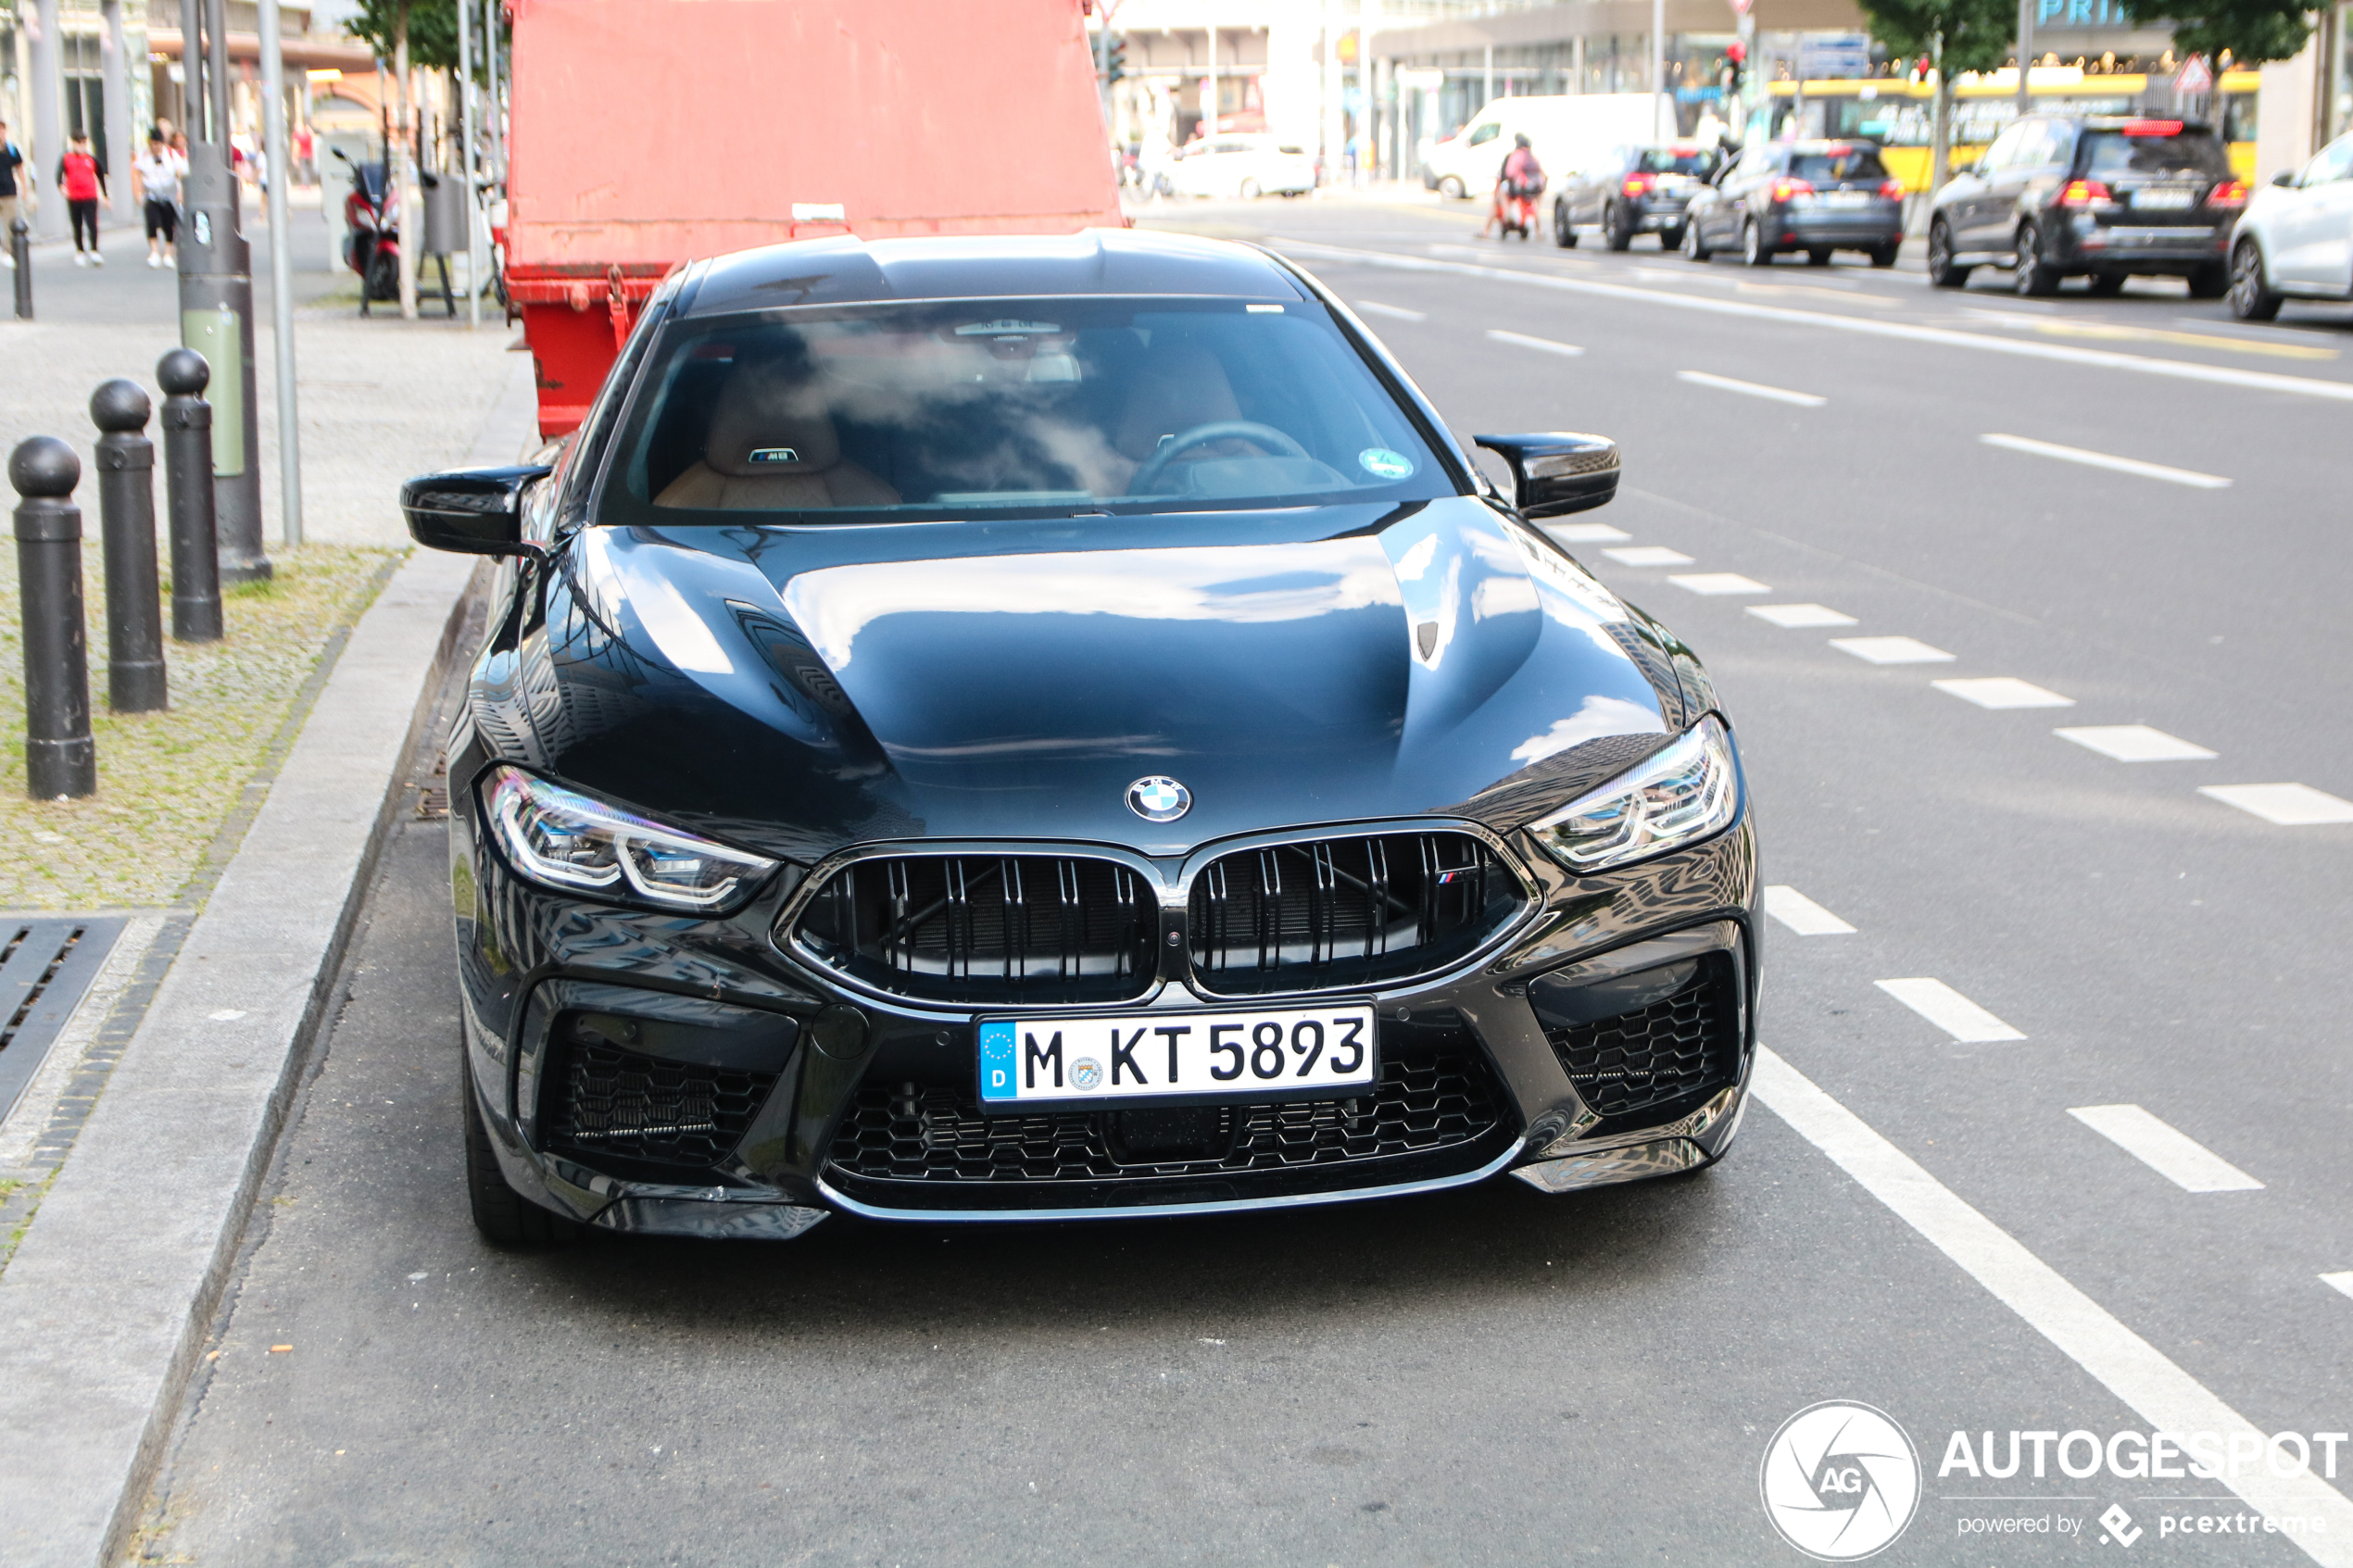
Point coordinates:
[[1557, 473], [470, 513]]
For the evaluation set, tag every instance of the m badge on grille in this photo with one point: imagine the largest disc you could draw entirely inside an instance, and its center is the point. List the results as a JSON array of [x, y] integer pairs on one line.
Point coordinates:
[[1159, 799]]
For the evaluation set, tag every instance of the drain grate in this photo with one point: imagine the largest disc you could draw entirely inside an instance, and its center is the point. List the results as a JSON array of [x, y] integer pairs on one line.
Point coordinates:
[[46, 966]]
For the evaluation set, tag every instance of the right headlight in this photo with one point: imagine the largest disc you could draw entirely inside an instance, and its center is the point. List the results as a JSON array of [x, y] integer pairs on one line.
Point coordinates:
[[562, 839], [1678, 796]]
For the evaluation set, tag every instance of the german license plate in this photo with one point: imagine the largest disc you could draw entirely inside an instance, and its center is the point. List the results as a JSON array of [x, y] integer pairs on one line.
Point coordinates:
[[1164, 1057], [2164, 200], [1849, 198]]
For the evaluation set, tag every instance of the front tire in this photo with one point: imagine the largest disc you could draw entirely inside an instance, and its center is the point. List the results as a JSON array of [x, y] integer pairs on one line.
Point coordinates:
[[1614, 224], [1694, 248], [2251, 298], [2210, 282], [1819, 257], [384, 277], [1564, 232], [1451, 188], [1754, 250], [1942, 272], [2034, 274], [1672, 239], [504, 1216], [1248, 190], [1884, 256]]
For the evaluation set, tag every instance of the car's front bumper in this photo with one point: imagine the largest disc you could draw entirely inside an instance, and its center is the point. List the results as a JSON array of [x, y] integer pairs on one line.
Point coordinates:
[[815, 1133]]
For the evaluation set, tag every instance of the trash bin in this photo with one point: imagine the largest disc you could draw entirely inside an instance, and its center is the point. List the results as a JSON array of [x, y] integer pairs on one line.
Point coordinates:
[[445, 215]]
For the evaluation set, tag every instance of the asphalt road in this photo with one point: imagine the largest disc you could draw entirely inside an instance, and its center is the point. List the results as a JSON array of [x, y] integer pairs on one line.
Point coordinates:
[[1491, 1376]]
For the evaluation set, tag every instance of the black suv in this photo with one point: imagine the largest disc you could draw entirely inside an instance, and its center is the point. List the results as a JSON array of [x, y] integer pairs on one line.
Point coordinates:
[[2106, 196], [1813, 196], [1635, 190]]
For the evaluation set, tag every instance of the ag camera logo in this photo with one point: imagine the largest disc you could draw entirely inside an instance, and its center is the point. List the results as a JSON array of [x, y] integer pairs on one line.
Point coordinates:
[[1840, 1481]]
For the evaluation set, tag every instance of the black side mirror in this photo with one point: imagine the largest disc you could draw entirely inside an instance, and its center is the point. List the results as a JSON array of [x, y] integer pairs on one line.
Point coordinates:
[[2284, 176], [472, 512], [1557, 473]]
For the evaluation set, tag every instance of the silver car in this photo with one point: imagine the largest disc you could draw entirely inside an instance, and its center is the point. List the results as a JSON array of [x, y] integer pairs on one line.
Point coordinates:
[[2296, 239]]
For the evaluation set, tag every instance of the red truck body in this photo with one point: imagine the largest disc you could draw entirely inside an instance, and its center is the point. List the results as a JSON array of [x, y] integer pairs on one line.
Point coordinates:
[[648, 133]]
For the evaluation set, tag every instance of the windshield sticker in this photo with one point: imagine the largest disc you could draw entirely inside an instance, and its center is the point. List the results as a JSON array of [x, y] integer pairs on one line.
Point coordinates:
[[1382, 463]]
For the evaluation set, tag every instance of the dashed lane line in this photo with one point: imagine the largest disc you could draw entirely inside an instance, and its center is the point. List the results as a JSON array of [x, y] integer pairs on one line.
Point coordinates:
[[1794, 616], [1751, 389], [1803, 915], [2341, 1282], [1715, 584], [2144, 1378], [1395, 312], [2190, 477], [2113, 332], [1521, 340], [2098, 358], [2003, 690], [2287, 805], [1586, 533], [2133, 743], [1891, 650], [1648, 555], [2165, 1148], [1949, 1011]]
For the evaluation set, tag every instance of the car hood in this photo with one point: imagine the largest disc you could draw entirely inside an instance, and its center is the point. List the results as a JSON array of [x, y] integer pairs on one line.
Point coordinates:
[[805, 688]]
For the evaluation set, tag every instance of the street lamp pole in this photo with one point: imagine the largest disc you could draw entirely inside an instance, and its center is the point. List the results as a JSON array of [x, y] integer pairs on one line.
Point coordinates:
[[466, 160], [279, 168], [2025, 50], [1660, 128]]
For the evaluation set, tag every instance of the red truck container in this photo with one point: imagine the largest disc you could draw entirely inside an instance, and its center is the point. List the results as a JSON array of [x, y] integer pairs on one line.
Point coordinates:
[[648, 133]]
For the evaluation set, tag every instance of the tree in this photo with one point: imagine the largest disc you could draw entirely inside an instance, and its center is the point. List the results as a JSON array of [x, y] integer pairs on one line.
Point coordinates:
[[2250, 32], [431, 25], [1957, 35]]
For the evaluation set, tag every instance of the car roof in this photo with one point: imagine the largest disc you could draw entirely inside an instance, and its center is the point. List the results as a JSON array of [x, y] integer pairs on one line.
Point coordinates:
[[846, 269]]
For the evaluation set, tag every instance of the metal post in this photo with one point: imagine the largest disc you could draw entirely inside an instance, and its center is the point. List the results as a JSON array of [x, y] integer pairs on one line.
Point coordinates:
[[215, 320], [273, 124], [48, 109], [187, 472], [192, 102], [136, 678], [466, 160], [491, 57], [2025, 51], [115, 65], [60, 760], [1661, 126], [216, 70], [20, 257]]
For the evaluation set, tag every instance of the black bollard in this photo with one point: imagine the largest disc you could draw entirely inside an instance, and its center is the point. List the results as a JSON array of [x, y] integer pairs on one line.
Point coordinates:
[[21, 253], [187, 472], [136, 678], [59, 758]]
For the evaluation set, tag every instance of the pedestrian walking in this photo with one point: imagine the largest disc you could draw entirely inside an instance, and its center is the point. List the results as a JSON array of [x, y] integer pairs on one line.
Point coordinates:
[[154, 180], [16, 183], [84, 184]]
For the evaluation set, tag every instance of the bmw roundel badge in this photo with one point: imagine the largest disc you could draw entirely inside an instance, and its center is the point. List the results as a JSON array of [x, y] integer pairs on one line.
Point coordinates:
[[1158, 800]]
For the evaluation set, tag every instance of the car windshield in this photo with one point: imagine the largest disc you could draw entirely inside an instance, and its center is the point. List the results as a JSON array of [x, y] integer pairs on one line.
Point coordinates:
[[2161, 153], [1830, 169], [1036, 405], [1697, 162]]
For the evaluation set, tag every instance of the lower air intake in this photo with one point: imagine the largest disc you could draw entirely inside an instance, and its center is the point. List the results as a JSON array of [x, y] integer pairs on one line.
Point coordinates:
[[616, 1102], [1679, 1049]]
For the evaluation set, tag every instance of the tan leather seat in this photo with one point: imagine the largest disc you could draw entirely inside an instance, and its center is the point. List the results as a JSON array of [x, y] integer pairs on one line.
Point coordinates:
[[773, 447], [1180, 385]]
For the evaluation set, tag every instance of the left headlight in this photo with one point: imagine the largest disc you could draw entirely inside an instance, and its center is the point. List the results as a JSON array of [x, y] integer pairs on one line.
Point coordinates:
[[566, 841], [1678, 796]]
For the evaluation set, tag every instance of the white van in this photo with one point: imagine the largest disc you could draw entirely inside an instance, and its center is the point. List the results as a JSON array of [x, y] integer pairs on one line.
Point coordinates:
[[1563, 131]]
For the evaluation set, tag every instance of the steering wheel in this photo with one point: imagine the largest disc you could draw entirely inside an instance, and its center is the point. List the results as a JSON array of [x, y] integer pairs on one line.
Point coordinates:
[[1217, 430]]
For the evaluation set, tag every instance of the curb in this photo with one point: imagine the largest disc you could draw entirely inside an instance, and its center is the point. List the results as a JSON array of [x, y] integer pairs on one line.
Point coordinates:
[[107, 1298]]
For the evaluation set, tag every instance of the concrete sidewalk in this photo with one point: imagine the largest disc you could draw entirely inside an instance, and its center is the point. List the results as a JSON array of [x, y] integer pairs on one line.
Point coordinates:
[[108, 1293]]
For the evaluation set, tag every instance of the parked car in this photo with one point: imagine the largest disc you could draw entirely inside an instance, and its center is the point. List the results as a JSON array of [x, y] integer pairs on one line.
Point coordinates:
[[2104, 196], [1820, 198], [1634, 190], [1564, 130], [1243, 166], [2297, 238], [1009, 728]]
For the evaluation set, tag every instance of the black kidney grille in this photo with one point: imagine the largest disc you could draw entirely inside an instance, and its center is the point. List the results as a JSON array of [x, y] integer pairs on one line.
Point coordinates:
[[934, 1132], [616, 1102], [1333, 913], [1682, 1047], [988, 928]]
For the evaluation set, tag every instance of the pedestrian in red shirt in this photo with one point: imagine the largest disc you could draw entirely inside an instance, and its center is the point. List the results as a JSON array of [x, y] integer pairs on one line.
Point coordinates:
[[84, 184]]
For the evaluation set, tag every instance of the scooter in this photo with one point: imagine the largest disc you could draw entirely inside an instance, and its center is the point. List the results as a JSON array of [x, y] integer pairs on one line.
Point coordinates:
[[1516, 210], [370, 216]]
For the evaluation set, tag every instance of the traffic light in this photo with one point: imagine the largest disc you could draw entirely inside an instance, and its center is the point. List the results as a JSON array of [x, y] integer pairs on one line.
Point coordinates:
[[1114, 58], [1735, 59]]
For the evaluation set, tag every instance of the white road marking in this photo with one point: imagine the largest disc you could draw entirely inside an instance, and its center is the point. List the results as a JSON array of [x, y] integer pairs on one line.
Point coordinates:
[[1800, 615], [1717, 583], [2135, 743], [1587, 533], [2289, 805], [1648, 555], [1751, 389], [1523, 340], [2343, 1281], [1949, 1011], [2165, 1150], [1803, 915], [2102, 460], [1398, 312], [1891, 650], [2003, 690], [1868, 326], [2164, 1395]]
